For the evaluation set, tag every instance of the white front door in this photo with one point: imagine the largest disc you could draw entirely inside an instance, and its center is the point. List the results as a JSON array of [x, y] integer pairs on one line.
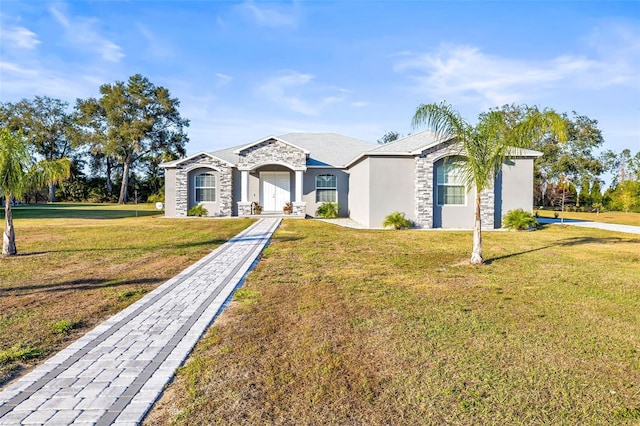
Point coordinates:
[[274, 190]]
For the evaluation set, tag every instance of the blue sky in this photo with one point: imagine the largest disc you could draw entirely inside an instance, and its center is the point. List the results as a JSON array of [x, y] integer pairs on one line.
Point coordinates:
[[247, 69]]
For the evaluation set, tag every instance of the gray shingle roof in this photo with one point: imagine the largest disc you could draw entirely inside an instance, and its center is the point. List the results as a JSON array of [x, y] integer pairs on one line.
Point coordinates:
[[329, 148], [409, 144], [334, 150]]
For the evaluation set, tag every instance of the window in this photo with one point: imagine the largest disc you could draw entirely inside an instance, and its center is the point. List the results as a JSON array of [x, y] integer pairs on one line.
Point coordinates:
[[205, 187], [451, 188], [326, 189]]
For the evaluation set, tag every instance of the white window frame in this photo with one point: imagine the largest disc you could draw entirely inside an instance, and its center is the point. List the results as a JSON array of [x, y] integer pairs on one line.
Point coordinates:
[[214, 187], [448, 178], [327, 189]]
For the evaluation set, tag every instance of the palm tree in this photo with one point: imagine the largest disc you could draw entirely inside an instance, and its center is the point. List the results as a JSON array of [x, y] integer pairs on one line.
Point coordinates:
[[18, 174], [485, 146]]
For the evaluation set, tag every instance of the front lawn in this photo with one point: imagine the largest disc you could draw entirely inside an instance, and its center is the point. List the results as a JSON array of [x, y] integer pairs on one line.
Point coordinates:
[[79, 264], [359, 327]]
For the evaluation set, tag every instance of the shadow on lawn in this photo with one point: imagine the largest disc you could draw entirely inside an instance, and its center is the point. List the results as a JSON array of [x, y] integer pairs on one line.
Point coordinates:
[[567, 242], [215, 242], [76, 211], [79, 284]]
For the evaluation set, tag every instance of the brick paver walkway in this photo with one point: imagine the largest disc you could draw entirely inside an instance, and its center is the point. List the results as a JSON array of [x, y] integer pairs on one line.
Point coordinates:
[[116, 372]]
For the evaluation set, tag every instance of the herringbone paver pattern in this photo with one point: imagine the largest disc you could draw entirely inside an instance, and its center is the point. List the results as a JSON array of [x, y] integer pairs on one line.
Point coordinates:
[[115, 373]]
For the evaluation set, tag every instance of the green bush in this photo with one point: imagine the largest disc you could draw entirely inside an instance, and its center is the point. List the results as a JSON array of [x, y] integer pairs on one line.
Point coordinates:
[[65, 326], [519, 219], [156, 198], [20, 353], [198, 210], [396, 220], [328, 210]]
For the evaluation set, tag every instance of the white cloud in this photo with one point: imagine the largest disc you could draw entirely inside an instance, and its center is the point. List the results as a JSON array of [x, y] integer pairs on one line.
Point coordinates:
[[269, 17], [279, 90], [467, 74], [83, 32], [19, 37], [32, 79], [16, 69], [296, 92], [222, 80]]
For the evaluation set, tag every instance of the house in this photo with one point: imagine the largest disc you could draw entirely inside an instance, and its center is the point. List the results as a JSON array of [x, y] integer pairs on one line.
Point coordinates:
[[416, 175]]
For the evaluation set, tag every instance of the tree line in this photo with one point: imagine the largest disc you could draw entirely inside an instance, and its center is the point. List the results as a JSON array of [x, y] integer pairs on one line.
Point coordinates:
[[114, 143]]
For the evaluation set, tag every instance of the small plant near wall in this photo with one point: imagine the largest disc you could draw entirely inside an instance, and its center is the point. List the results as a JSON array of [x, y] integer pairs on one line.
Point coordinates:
[[396, 220], [198, 210], [519, 220], [288, 208], [256, 208], [328, 210]]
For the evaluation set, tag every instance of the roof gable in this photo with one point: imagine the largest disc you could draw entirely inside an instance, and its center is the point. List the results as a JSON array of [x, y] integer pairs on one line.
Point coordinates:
[[268, 138], [175, 163]]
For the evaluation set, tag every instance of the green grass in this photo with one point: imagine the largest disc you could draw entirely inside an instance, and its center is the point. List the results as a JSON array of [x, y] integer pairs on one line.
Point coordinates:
[[340, 326], [606, 217], [82, 211], [78, 264]]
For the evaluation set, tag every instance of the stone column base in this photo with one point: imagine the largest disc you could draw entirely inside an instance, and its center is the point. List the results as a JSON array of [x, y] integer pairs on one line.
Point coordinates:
[[299, 208], [244, 208]]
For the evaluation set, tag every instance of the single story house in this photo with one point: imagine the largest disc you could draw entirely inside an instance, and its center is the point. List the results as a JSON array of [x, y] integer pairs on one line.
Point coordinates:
[[416, 175]]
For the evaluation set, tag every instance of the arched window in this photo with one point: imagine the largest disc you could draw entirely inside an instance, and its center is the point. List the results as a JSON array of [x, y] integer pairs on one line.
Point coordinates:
[[205, 187], [326, 189], [451, 189]]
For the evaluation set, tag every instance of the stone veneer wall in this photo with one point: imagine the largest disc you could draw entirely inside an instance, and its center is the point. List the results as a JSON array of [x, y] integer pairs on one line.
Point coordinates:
[[424, 190], [225, 189], [272, 151], [487, 206]]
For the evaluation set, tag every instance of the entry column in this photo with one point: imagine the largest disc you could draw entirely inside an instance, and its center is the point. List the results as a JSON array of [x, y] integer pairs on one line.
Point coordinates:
[[299, 185], [244, 205], [299, 206]]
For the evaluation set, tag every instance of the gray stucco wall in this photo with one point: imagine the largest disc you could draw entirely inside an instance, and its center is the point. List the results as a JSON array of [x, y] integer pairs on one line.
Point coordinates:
[[359, 192], [391, 185], [309, 189], [170, 192], [517, 185]]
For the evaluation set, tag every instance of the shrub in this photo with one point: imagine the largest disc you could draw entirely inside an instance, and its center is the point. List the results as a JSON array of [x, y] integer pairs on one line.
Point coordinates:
[[556, 215], [396, 220], [198, 210], [156, 198], [328, 210], [64, 326], [20, 353], [519, 219]]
